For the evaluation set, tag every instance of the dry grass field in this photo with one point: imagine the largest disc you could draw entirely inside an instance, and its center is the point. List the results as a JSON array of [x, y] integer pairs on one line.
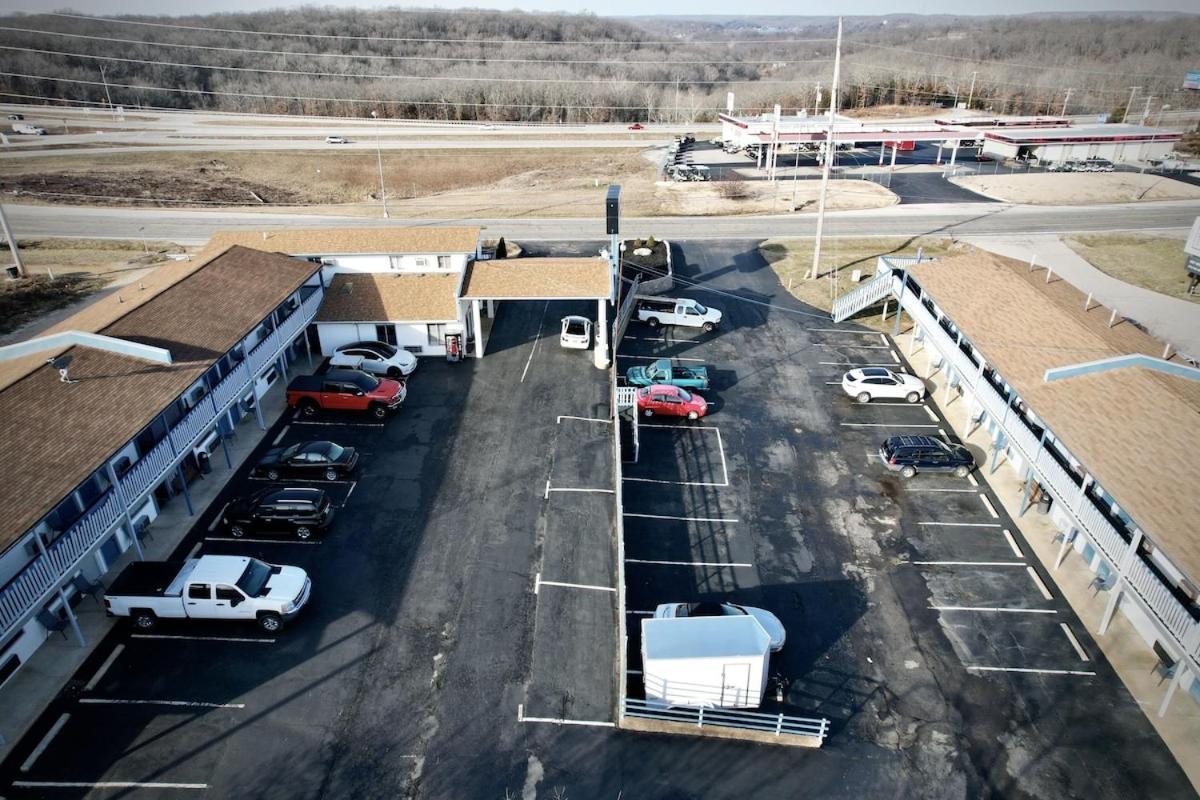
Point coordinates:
[[1151, 262]]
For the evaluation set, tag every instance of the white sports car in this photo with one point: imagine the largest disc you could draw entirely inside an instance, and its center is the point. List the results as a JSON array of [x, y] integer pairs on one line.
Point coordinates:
[[873, 383], [576, 333], [378, 358]]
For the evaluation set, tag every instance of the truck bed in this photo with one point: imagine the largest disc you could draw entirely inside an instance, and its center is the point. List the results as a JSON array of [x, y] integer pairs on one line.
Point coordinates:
[[306, 383], [145, 579]]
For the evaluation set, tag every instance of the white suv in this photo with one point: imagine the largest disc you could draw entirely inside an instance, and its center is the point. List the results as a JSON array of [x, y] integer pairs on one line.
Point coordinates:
[[378, 358], [873, 383]]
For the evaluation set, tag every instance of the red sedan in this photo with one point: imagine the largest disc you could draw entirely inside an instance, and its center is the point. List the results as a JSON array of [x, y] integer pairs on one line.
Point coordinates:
[[670, 401], [637, 126]]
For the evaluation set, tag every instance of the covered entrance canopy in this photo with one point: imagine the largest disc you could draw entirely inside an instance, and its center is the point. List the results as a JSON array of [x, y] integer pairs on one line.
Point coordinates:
[[541, 279]]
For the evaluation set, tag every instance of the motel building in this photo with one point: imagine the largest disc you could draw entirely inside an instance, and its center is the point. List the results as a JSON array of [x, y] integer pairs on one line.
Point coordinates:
[[1098, 420], [110, 416]]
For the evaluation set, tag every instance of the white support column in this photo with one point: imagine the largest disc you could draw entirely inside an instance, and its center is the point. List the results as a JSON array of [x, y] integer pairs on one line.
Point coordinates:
[[895, 147], [1122, 569], [912, 341], [601, 351], [1180, 668], [882, 152], [1062, 550], [478, 328], [939, 156], [491, 309], [954, 153]]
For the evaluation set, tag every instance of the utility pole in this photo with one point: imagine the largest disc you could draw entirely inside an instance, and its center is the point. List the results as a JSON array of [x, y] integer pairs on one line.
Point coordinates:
[[1133, 90], [828, 161], [12, 245], [107, 95], [379, 158], [971, 94], [1066, 100], [1146, 111]]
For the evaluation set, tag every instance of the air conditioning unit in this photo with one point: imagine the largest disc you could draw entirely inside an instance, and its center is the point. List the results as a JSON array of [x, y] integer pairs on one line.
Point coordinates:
[[237, 354], [196, 395], [207, 445], [249, 401]]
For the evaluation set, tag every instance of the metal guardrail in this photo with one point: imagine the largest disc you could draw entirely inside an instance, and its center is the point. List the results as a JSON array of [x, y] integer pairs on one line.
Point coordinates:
[[31, 586], [777, 724]]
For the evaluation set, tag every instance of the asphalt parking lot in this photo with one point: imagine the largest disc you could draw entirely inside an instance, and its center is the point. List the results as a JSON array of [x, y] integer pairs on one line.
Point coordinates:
[[461, 638]]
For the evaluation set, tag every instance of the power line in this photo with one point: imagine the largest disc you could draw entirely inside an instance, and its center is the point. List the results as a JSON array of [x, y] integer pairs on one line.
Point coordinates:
[[430, 40], [359, 76], [368, 56]]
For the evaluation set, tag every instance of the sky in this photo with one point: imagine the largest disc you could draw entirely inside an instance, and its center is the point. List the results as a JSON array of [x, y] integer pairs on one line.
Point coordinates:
[[610, 7]]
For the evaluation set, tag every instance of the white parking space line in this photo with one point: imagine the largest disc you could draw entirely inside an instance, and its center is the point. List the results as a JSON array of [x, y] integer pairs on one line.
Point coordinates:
[[108, 662], [106, 785], [996, 609], [194, 550], [44, 743], [854, 346], [883, 425], [656, 358], [106, 701], [339, 424], [538, 583], [971, 480], [282, 433], [851, 365], [839, 330], [536, 341], [883, 338], [969, 563], [720, 449], [940, 431], [929, 411], [688, 563], [1031, 671], [1013, 544], [1083, 656], [988, 505], [200, 638], [643, 613], [217, 519], [932, 489], [561, 417], [895, 357], [577, 489], [560, 721], [347, 500], [675, 483], [682, 519], [681, 427], [258, 541], [833, 383], [1037, 581], [963, 524]]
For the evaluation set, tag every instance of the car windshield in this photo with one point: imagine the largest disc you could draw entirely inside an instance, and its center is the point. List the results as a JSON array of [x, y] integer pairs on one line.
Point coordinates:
[[290, 452], [383, 348], [575, 326], [333, 451], [685, 395], [701, 309], [366, 382], [254, 578]]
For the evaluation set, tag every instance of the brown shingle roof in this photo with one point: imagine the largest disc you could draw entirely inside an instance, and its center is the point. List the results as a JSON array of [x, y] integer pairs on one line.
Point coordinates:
[[53, 435], [391, 297], [538, 279], [1135, 430], [362, 240]]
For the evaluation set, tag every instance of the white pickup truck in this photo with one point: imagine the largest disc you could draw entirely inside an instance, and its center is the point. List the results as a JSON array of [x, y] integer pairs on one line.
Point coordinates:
[[655, 311], [26, 128], [209, 587]]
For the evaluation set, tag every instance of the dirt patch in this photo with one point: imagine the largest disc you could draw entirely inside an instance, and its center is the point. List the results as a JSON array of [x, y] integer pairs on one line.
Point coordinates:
[[792, 260], [1078, 188], [758, 197], [97, 256], [1151, 262], [25, 299]]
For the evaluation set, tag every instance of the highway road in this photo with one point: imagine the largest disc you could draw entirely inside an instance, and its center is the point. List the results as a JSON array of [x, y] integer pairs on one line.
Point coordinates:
[[956, 219]]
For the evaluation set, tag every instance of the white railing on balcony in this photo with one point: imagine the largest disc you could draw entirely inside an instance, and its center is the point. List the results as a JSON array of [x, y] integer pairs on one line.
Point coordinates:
[[32, 585], [871, 292], [1101, 531], [1057, 477], [1166, 607]]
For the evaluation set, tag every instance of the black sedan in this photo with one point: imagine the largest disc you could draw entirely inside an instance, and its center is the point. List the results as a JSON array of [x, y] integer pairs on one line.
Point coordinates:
[[313, 460]]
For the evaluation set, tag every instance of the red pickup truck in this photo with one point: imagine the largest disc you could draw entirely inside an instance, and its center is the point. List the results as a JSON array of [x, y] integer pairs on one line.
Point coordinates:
[[345, 390]]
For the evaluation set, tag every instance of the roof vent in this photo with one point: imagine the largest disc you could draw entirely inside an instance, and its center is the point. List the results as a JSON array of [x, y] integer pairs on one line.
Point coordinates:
[[347, 288], [61, 363]]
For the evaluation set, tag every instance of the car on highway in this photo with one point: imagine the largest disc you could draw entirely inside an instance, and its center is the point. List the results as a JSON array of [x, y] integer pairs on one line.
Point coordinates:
[[637, 126], [670, 401], [299, 512], [576, 333], [909, 455], [769, 622], [378, 358], [336, 140], [16, 116], [312, 460], [874, 383]]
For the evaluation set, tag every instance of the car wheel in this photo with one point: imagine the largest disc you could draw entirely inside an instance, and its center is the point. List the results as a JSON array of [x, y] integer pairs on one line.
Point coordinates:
[[379, 412], [908, 472], [708, 327], [272, 474], [864, 397], [145, 620], [693, 415], [962, 471], [308, 408], [393, 372], [237, 531], [331, 475], [652, 322], [304, 532], [649, 412], [270, 622], [912, 397]]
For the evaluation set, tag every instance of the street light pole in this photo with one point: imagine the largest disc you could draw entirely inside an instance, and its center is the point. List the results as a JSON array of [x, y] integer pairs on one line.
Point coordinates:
[[1066, 100], [971, 94], [828, 160], [379, 158], [1133, 90]]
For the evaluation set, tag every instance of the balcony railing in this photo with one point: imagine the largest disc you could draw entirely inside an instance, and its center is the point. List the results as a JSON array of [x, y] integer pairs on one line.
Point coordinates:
[[1157, 597], [33, 584]]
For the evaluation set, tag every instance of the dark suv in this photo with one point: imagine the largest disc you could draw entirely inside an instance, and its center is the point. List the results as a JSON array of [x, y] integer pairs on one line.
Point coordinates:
[[300, 512], [911, 454]]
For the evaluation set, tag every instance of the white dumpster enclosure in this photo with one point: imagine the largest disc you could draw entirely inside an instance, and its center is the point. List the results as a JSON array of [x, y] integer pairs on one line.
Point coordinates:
[[716, 662]]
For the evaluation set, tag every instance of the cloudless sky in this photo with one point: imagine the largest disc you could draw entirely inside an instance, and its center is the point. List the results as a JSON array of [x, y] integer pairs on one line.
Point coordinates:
[[618, 7]]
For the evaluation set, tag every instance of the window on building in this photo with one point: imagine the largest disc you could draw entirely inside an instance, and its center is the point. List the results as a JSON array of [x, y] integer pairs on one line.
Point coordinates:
[[386, 333], [443, 262], [437, 334], [421, 263], [397, 262]]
